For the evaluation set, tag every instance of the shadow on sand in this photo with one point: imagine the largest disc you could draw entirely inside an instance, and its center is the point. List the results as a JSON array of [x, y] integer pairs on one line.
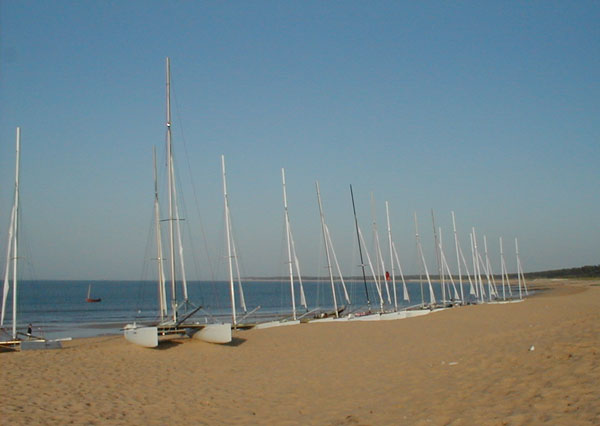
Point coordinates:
[[235, 341]]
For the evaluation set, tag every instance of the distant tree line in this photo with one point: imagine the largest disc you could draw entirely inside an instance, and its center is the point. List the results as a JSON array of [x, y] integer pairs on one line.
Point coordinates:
[[590, 271]]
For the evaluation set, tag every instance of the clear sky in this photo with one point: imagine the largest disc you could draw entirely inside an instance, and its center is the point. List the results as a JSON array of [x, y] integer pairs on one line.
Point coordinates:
[[490, 109]]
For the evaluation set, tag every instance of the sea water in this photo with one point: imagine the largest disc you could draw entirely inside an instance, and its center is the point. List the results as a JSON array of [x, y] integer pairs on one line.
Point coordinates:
[[58, 309]]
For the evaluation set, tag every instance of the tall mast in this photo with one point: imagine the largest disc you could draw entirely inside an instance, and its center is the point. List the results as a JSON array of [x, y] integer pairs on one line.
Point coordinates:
[[504, 273], [297, 264], [520, 274], [394, 256], [420, 249], [460, 283], [324, 228], [474, 266], [464, 261], [171, 184], [391, 248], [161, 273], [373, 273], [419, 255], [477, 259], [518, 269], [442, 275], [405, 294], [9, 254], [362, 263], [294, 257], [289, 244], [437, 257], [180, 245], [488, 266], [228, 237], [378, 254], [446, 268], [15, 234]]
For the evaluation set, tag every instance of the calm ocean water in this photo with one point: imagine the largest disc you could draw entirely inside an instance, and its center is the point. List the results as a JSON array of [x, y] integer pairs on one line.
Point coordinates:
[[58, 309]]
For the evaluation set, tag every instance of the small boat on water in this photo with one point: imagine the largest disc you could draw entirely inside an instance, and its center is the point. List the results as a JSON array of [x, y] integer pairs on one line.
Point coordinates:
[[90, 299]]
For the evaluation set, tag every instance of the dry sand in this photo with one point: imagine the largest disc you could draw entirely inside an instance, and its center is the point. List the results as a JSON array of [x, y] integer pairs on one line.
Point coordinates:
[[464, 366]]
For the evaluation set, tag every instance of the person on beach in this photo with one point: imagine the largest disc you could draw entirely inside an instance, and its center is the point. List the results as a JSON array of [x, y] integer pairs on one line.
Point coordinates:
[[29, 329]]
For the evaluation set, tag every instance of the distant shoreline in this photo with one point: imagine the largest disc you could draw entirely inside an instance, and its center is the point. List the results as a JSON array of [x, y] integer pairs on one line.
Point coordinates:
[[583, 272]]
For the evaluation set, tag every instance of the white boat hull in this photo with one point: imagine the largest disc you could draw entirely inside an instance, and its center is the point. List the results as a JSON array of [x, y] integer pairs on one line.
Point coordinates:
[[214, 333], [271, 324], [393, 315], [503, 302], [146, 337], [328, 319], [369, 317], [417, 313]]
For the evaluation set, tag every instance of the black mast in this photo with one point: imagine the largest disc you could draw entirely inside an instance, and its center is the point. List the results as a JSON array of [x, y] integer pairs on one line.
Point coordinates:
[[362, 263]]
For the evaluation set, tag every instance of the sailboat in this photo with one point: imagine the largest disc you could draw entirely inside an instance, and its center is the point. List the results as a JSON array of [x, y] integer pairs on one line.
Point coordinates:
[[424, 265], [232, 259], [293, 264], [520, 275], [89, 299], [330, 254], [395, 261], [379, 262], [16, 339], [460, 256], [368, 315], [173, 324], [445, 268], [504, 273]]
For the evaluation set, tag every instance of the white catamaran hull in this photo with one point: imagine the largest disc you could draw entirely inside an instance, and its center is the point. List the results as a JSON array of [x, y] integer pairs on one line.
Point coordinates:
[[389, 316], [368, 317], [271, 324], [146, 337], [417, 312], [328, 319], [214, 333]]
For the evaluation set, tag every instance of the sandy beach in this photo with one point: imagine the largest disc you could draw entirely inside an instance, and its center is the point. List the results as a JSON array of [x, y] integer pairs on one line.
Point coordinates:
[[466, 366]]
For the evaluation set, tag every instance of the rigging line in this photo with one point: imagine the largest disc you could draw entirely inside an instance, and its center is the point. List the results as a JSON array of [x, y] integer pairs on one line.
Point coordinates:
[[281, 270], [194, 191], [150, 238], [238, 260], [27, 257], [320, 267]]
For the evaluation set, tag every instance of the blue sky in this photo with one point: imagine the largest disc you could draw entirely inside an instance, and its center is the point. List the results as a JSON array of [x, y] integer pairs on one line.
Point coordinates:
[[489, 109]]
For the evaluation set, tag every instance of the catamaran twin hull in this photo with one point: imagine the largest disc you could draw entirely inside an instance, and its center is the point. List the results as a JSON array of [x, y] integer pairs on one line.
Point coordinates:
[[151, 336]]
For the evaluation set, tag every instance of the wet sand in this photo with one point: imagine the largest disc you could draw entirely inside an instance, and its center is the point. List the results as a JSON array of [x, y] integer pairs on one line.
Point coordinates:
[[464, 366]]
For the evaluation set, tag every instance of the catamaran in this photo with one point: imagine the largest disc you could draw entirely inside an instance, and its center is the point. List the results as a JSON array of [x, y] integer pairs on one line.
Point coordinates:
[[520, 275], [460, 256], [293, 265], [232, 259], [14, 339], [175, 323], [424, 266], [329, 254], [395, 261], [368, 315]]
